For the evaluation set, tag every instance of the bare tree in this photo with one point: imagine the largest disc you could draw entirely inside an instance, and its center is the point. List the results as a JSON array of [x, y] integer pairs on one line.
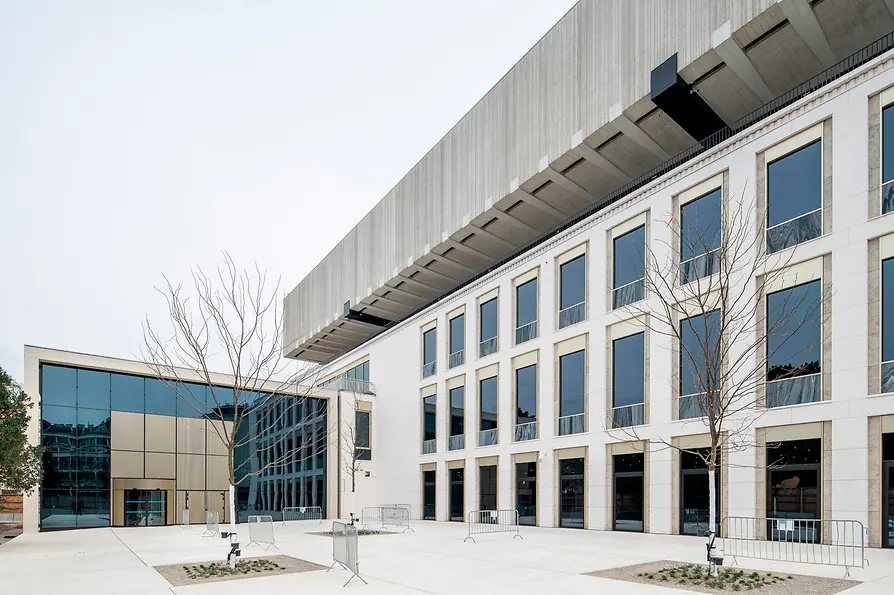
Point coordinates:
[[355, 445], [232, 320], [707, 291]]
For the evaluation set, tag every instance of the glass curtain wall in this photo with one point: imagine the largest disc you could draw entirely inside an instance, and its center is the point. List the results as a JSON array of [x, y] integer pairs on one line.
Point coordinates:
[[628, 491], [526, 493]]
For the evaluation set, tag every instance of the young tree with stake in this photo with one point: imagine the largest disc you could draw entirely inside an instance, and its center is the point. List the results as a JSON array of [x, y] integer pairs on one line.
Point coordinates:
[[706, 292]]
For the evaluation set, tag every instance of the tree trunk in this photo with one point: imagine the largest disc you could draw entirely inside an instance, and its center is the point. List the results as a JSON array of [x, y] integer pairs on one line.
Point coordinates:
[[233, 520], [712, 515]]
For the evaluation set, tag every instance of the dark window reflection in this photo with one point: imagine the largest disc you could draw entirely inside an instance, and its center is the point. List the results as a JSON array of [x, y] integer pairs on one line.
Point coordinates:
[[430, 425], [488, 487], [571, 493], [629, 257], [526, 394], [793, 490], [191, 399], [888, 309], [488, 400], [629, 507], [58, 386], [572, 377], [361, 420], [93, 389], [526, 493], [457, 411], [429, 342], [428, 495], [127, 393], [457, 333], [695, 493], [160, 398], [526, 303], [888, 160], [628, 370], [488, 319], [457, 490], [793, 327], [573, 279], [795, 184], [700, 225]]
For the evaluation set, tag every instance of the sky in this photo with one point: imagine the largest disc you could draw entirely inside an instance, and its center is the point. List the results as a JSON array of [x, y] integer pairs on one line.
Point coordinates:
[[139, 139]]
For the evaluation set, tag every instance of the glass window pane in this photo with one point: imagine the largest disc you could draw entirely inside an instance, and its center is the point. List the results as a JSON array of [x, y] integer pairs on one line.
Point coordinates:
[[430, 412], [457, 411], [573, 278], [58, 509], [361, 421], [571, 383], [700, 226], [127, 393], [793, 331], [629, 257], [699, 332], [190, 399], [888, 144], [94, 389], [457, 333], [160, 398], [488, 396], [526, 493], [429, 341], [487, 486], [94, 427], [795, 184], [58, 386], [93, 508], [489, 319], [526, 303], [456, 495], [59, 438], [526, 394], [888, 308], [628, 370]]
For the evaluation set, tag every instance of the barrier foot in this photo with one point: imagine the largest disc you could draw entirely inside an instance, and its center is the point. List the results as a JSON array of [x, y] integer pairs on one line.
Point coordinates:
[[517, 535], [469, 537], [352, 578], [847, 572], [333, 566]]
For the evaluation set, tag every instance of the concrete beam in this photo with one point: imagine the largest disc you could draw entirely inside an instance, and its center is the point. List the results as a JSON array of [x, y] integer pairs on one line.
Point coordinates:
[[732, 55], [540, 205], [451, 262], [890, 5], [484, 233], [378, 307], [635, 133], [468, 249], [564, 182], [516, 222], [409, 294], [417, 283], [388, 299], [594, 158], [438, 275], [349, 333], [803, 20], [338, 344]]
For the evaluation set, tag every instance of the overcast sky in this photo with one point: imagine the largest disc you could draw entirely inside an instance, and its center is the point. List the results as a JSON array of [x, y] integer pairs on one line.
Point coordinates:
[[142, 138]]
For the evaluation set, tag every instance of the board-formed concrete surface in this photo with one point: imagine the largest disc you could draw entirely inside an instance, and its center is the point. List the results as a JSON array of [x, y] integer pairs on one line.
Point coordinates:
[[434, 559]]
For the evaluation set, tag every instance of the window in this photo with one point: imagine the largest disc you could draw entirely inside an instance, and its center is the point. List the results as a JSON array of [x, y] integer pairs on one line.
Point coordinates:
[[457, 489], [629, 506], [572, 376], [58, 386], [888, 159], [888, 323], [629, 266], [526, 493], [795, 197], [794, 345], [457, 341], [94, 389], [573, 291], [699, 373], [191, 399], [361, 438], [571, 493], [488, 339], [526, 403], [160, 397], [457, 419], [429, 421], [628, 381], [700, 232], [429, 352], [487, 395], [793, 490], [487, 485], [355, 379], [428, 495], [695, 493], [127, 393], [526, 311]]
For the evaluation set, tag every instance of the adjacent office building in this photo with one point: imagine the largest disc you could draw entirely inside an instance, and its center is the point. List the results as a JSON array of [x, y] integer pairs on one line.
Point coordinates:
[[495, 296]]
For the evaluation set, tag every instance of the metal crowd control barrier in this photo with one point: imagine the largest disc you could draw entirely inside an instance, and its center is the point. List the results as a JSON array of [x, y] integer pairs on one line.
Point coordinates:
[[345, 549], [407, 506], [260, 531], [492, 521], [807, 541], [185, 518], [395, 516], [302, 513], [212, 523]]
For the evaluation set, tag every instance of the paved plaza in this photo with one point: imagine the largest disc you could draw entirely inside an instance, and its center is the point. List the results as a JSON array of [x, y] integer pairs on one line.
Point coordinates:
[[434, 559]]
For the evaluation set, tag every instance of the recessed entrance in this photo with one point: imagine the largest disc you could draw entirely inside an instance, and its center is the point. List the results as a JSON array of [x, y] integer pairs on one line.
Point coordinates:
[[145, 508]]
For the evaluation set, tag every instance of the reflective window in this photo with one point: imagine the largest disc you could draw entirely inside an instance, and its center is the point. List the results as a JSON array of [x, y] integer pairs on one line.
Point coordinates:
[[430, 422], [457, 411], [127, 393], [573, 282], [526, 394], [629, 509], [160, 397], [93, 389], [795, 197], [628, 370], [457, 333], [888, 159], [191, 399], [488, 319], [695, 493], [526, 493], [428, 495], [699, 372], [571, 493], [628, 267], [361, 439], [572, 376], [526, 303], [429, 343], [457, 489], [888, 323], [794, 344], [487, 486], [487, 391], [700, 231], [793, 490], [58, 386]]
